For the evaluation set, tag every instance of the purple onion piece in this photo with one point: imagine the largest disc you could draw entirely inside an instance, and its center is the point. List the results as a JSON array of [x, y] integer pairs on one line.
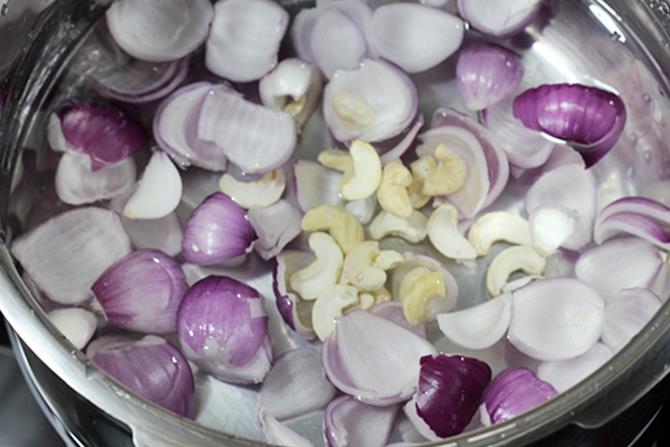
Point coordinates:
[[348, 422], [638, 216], [486, 74], [449, 393], [515, 391], [222, 327], [405, 143], [150, 366], [142, 292], [507, 18], [105, 135], [217, 231], [392, 311], [588, 118]]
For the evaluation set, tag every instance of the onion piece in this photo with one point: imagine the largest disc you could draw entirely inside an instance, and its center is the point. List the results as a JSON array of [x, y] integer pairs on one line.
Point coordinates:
[[448, 385], [296, 312], [164, 234], [372, 103], [563, 375], [142, 292], [255, 138], [507, 18], [478, 327], [77, 184], [105, 135], [556, 319], [550, 228], [150, 366], [619, 264], [222, 328], [276, 225], [77, 325], [217, 231], [572, 188], [257, 193], [277, 433], [513, 392], [626, 314], [374, 359], [398, 32], [486, 74], [588, 118], [332, 35], [158, 192], [175, 128], [638, 216], [392, 311], [316, 185], [66, 254], [405, 143], [244, 39], [159, 30], [348, 422], [296, 385]]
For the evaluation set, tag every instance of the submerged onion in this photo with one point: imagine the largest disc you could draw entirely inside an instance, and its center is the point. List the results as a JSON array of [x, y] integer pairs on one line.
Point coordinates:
[[77, 325], [296, 312], [150, 366], [627, 313], [142, 292], [348, 422], [214, 313], [506, 18]]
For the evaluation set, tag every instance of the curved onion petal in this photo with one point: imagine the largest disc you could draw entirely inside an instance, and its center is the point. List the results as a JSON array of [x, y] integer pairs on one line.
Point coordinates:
[[450, 390], [638, 216], [159, 30], [276, 225], [619, 264], [332, 35], [244, 40], [392, 311], [398, 32], [105, 135], [217, 231], [150, 366], [373, 103], [513, 392], [158, 191], [164, 234], [507, 18], [374, 359], [626, 314], [569, 187], [588, 118], [316, 185], [255, 138], [563, 375], [405, 143], [660, 285], [296, 312], [487, 73], [487, 166], [277, 433], [77, 325], [222, 328], [66, 254], [296, 385], [142, 292], [77, 184], [175, 128], [480, 326], [348, 422], [556, 319]]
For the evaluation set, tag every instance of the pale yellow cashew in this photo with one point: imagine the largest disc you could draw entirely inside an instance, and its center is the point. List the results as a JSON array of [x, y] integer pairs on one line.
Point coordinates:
[[323, 272], [449, 175], [392, 193], [444, 235], [422, 168], [418, 288], [509, 261], [388, 259], [365, 266], [367, 172], [498, 226], [341, 224], [412, 229], [353, 110], [330, 305], [262, 192]]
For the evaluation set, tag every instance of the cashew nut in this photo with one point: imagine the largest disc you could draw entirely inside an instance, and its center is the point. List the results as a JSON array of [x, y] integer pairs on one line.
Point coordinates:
[[550, 228], [366, 301], [321, 274], [329, 306], [337, 159], [498, 226], [509, 261], [363, 209], [418, 288], [421, 170], [449, 175], [367, 172], [392, 193], [388, 259], [341, 224], [412, 229], [262, 192], [353, 110], [444, 235], [362, 270]]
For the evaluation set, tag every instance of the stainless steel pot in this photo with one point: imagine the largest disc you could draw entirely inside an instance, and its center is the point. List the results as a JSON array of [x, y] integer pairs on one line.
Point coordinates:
[[620, 42]]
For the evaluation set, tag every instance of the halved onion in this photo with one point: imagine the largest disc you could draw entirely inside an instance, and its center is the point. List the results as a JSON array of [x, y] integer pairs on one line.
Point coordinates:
[[563, 375], [626, 314], [638, 216], [276, 225], [296, 312], [507, 18], [348, 422], [164, 234]]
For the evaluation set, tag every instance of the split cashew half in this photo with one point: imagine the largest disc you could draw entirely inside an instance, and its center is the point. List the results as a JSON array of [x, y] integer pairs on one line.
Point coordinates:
[[510, 260], [323, 273], [341, 224]]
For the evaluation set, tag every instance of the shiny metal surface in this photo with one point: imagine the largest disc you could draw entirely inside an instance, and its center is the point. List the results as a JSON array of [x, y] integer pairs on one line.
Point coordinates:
[[617, 43]]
